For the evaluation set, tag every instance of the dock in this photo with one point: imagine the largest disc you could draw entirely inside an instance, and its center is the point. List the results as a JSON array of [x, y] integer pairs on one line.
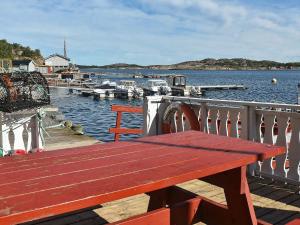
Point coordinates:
[[61, 138], [222, 87]]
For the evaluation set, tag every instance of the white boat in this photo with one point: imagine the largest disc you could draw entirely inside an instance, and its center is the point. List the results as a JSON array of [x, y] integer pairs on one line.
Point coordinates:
[[157, 87], [179, 87], [128, 89], [106, 84], [105, 89]]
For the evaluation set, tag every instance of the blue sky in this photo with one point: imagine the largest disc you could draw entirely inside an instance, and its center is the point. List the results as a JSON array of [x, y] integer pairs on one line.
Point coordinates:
[[155, 31]]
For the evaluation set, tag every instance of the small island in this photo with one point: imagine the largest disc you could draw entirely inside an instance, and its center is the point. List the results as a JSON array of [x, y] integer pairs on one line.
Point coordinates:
[[209, 64]]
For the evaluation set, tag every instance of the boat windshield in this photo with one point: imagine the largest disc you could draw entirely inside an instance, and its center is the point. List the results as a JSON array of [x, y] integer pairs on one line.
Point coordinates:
[[179, 81]]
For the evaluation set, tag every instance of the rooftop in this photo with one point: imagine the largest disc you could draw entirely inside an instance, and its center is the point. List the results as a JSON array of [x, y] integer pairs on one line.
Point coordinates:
[[58, 55]]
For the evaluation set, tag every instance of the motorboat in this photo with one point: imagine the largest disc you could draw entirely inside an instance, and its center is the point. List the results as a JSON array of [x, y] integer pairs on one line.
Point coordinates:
[[179, 87], [128, 89], [106, 84], [105, 89], [157, 87]]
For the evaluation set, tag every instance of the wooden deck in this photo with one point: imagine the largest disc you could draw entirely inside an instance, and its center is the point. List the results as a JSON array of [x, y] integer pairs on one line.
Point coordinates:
[[274, 202], [60, 138]]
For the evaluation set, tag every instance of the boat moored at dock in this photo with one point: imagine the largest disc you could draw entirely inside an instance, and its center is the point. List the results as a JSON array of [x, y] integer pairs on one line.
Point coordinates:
[[128, 89], [179, 87], [105, 89], [156, 87]]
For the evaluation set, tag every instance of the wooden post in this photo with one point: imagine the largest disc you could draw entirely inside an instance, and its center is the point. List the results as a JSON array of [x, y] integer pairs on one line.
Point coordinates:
[[118, 125]]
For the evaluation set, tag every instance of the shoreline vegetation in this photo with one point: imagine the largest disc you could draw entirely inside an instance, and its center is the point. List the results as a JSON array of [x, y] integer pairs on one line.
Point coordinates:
[[15, 51], [208, 64]]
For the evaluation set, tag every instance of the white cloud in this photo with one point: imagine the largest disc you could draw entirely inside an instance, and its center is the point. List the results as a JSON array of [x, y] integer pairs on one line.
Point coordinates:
[[152, 32]]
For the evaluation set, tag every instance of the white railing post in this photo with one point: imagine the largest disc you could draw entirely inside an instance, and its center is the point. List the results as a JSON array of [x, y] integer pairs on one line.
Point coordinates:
[[244, 122], [1, 130], [153, 112], [251, 134], [294, 150]]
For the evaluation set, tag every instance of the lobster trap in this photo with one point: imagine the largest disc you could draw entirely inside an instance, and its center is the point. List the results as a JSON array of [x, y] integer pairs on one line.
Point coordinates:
[[23, 90]]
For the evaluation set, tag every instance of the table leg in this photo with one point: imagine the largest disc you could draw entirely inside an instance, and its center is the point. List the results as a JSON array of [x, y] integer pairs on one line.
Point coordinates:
[[237, 195]]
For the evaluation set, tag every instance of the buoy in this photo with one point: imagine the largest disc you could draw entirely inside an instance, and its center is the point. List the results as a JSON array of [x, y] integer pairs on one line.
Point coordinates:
[[274, 81]]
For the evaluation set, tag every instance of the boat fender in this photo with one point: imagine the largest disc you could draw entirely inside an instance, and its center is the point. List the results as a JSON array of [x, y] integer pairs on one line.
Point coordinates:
[[187, 111]]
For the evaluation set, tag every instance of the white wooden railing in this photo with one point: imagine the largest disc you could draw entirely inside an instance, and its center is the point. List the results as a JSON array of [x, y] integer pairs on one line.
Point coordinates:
[[20, 132], [277, 124]]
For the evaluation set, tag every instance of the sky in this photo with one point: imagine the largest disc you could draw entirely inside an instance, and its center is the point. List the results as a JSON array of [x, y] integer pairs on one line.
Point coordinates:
[[147, 32]]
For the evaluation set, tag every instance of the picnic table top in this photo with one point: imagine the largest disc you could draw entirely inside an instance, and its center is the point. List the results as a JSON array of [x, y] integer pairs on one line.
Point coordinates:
[[49, 183]]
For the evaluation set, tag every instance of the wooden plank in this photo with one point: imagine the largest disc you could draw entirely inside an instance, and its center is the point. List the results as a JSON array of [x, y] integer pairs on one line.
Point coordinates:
[[99, 172], [216, 143], [6, 161], [78, 154], [52, 170], [125, 130], [125, 108], [157, 217]]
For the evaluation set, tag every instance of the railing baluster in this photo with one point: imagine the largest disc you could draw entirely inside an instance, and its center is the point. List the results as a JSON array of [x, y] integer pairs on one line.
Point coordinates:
[[214, 120], [18, 138], [294, 151], [174, 122], [204, 118], [269, 121], [180, 122], [282, 123], [234, 117], [223, 116]]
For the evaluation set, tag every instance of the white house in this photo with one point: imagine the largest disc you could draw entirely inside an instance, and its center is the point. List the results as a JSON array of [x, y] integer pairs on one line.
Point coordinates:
[[57, 62], [43, 69], [27, 65]]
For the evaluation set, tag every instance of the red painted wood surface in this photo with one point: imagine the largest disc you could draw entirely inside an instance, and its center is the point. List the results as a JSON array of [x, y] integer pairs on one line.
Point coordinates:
[[50, 183], [125, 130], [294, 222], [125, 108], [118, 130]]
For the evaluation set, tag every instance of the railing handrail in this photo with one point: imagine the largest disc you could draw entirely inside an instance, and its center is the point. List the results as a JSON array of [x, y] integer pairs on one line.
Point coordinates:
[[234, 102]]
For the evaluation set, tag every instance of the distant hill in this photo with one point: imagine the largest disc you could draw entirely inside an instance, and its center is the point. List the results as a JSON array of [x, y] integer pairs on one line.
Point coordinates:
[[210, 64], [17, 51], [114, 66]]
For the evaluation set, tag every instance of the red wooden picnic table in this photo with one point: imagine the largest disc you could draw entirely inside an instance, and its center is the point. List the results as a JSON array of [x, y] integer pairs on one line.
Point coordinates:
[[50, 183]]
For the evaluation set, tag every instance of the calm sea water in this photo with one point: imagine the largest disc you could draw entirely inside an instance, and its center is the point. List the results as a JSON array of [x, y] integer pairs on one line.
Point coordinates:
[[96, 117]]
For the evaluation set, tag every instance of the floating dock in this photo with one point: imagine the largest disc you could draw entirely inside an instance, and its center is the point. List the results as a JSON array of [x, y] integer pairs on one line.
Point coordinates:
[[221, 87]]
